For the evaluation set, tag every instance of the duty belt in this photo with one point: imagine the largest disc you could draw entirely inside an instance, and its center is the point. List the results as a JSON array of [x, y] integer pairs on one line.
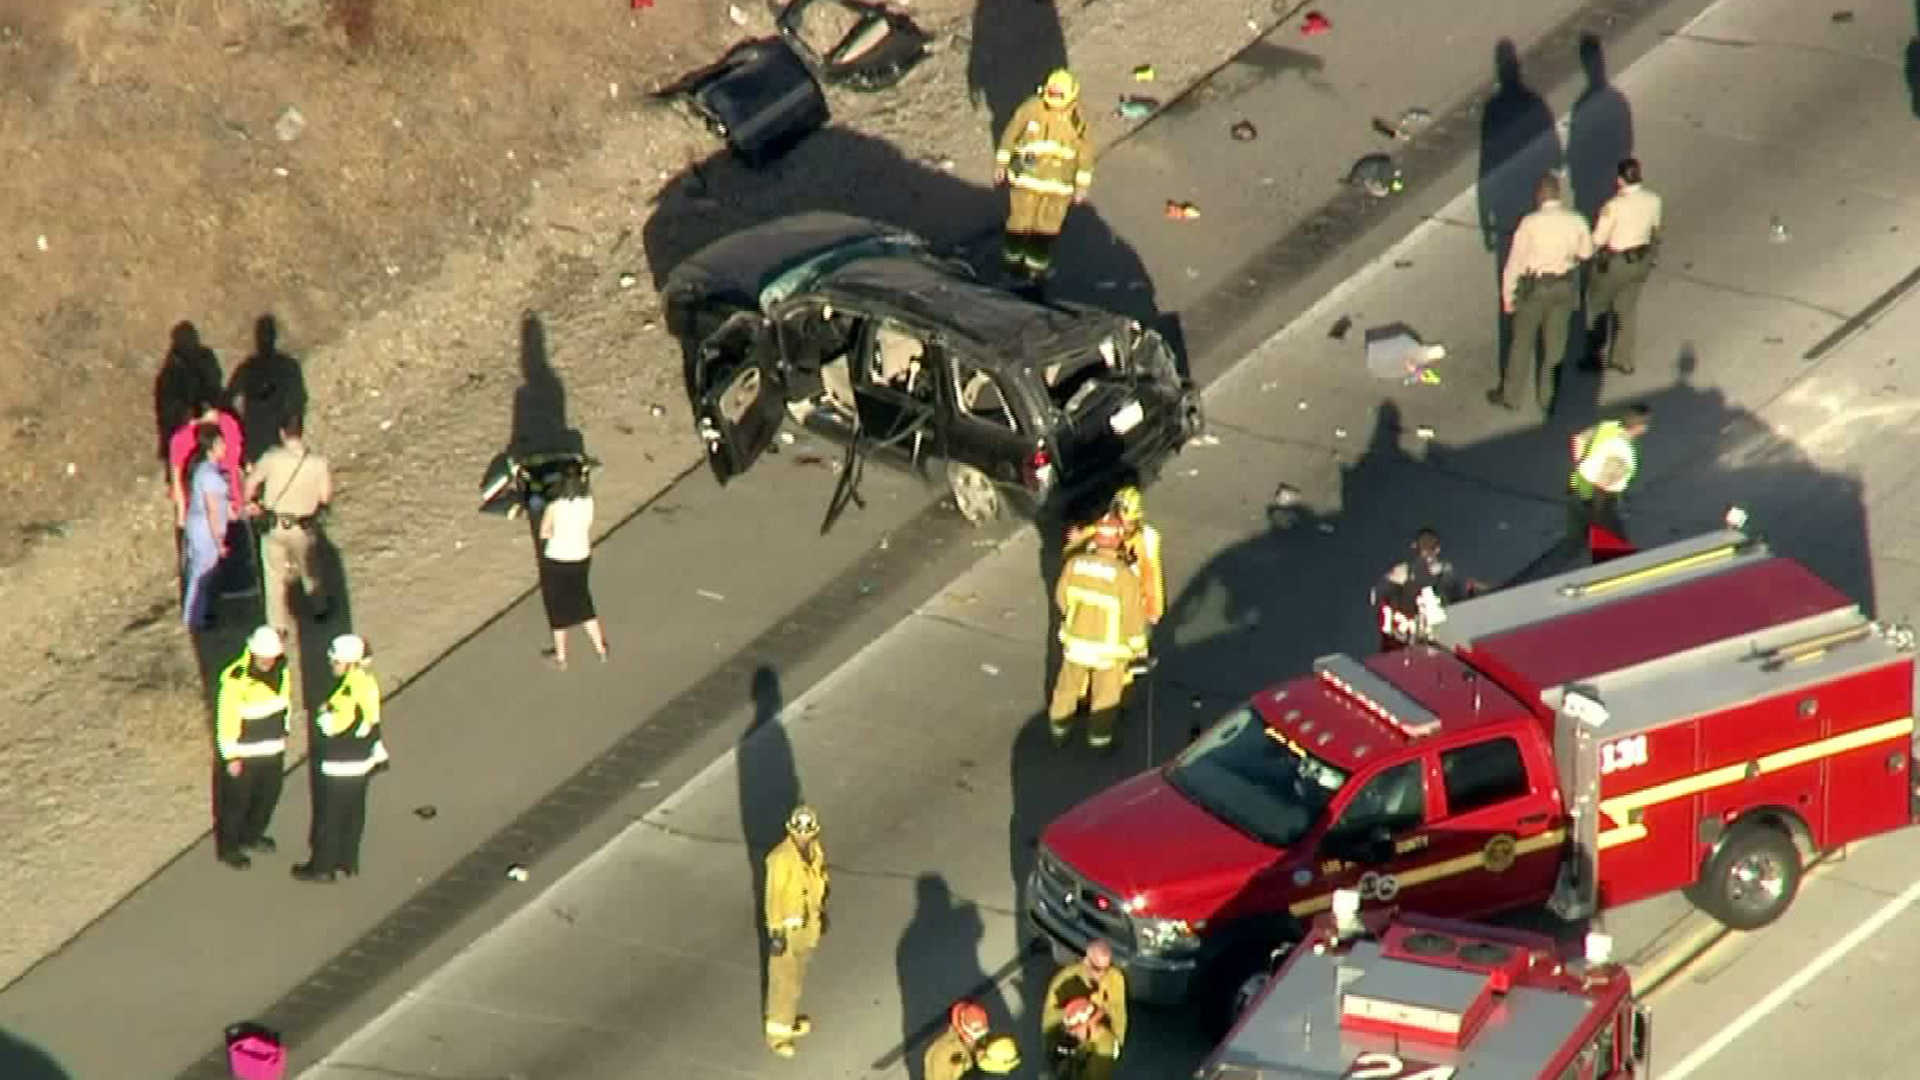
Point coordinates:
[[289, 521], [1636, 254]]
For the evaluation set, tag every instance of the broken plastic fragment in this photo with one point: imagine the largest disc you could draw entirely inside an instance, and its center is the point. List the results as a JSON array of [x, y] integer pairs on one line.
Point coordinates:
[[627, 281], [517, 872], [1137, 108], [426, 813], [1377, 175], [990, 669], [1143, 73], [1286, 496], [1244, 131], [1338, 332], [1181, 211], [710, 595], [1780, 233], [1415, 118], [1339, 433], [1314, 23]]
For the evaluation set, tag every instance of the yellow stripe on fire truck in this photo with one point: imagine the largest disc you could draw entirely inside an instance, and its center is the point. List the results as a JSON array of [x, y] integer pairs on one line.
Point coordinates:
[[1445, 868], [1620, 812]]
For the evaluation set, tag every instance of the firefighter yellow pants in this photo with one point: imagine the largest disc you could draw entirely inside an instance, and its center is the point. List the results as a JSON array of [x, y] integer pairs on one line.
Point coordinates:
[[785, 973], [1077, 682], [1033, 213]]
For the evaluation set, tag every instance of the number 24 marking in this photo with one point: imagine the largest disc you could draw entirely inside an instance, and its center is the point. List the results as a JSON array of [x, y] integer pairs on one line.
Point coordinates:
[[1628, 753], [1393, 1067]]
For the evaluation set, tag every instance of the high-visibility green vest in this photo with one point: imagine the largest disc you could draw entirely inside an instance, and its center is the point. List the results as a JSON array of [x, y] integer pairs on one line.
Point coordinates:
[[1586, 442]]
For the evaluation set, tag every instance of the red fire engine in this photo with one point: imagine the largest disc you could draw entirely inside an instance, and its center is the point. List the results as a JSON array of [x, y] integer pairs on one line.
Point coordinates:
[[1703, 716], [1375, 997]]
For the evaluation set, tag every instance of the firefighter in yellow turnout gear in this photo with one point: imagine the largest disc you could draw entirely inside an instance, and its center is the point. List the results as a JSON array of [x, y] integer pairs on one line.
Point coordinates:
[[1103, 629], [1094, 979], [1141, 545], [1086, 1048], [967, 1046], [796, 914], [1046, 159]]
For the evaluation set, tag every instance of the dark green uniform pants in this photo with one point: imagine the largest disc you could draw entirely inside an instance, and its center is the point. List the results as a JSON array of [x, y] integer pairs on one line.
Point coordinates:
[[1544, 307], [1616, 290]]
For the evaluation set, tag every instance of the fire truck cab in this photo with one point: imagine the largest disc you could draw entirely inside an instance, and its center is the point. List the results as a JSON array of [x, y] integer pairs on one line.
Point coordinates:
[[1705, 716], [1386, 997]]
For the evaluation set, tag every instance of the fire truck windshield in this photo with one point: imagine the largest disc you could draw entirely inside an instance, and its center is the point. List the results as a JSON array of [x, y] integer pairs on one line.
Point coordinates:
[[1255, 779]]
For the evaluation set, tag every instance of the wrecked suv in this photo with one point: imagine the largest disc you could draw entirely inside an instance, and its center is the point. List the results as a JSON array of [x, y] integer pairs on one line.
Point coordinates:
[[861, 333]]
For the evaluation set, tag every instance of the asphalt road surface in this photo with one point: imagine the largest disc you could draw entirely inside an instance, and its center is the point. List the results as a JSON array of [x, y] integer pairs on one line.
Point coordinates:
[[1767, 362]]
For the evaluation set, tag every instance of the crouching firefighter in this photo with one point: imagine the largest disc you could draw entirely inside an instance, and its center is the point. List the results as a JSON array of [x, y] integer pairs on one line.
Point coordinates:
[[967, 1046], [1407, 600], [1103, 631], [350, 752], [1083, 1047]]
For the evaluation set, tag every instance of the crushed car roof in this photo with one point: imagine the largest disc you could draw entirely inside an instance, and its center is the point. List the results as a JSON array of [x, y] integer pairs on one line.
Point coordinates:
[[1011, 326], [741, 264]]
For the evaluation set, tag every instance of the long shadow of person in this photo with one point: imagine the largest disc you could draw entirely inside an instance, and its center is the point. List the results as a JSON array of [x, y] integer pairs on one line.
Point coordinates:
[[769, 790], [266, 389], [1015, 44], [539, 422], [1599, 132], [21, 1060], [938, 962], [189, 373], [1913, 64], [1518, 145]]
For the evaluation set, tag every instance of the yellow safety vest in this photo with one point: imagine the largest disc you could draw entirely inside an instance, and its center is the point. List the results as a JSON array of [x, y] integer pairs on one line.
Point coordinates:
[[250, 711]]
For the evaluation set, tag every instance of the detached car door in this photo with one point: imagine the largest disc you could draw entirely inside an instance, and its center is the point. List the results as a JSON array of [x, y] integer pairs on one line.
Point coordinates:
[[741, 399]]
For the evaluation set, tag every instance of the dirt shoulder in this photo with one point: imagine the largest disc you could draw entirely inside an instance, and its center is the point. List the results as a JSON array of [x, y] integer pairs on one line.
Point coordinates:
[[456, 167]]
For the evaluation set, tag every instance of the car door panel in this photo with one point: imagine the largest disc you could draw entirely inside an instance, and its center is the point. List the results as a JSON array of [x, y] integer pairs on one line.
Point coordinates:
[[1504, 836], [984, 430], [898, 407], [1395, 802], [741, 398]]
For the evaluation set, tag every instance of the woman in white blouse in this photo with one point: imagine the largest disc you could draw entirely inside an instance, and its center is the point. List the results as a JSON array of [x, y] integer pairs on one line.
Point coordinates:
[[566, 553]]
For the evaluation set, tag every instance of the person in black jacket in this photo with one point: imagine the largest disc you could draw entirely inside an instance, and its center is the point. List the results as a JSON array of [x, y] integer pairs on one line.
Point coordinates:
[[1396, 597]]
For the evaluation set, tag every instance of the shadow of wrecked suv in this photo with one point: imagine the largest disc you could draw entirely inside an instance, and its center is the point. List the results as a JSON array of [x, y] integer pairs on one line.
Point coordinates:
[[864, 335]]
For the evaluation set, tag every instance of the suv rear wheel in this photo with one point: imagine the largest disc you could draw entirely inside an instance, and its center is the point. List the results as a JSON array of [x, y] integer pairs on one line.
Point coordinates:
[[974, 494], [1751, 880]]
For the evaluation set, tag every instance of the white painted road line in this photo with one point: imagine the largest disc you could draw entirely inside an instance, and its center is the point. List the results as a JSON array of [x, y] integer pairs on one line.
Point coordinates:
[[1759, 1010]]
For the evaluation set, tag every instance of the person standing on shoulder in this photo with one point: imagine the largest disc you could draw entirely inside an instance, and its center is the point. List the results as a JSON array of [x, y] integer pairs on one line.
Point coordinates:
[[349, 750], [1046, 159], [1539, 288], [287, 491], [796, 916], [1606, 458], [250, 738], [1626, 239], [566, 558], [1103, 630], [206, 510]]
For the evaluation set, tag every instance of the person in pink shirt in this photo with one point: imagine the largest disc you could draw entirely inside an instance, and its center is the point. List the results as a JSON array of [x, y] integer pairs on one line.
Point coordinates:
[[185, 440]]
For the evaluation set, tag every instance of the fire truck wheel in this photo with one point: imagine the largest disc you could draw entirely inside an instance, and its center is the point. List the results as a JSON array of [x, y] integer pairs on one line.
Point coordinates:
[[1752, 879]]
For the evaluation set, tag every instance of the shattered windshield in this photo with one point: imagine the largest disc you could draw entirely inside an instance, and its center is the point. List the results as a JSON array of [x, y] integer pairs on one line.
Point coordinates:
[[799, 276], [1256, 779]]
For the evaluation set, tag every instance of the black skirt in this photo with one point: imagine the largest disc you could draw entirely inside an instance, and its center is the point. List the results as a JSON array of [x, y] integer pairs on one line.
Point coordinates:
[[563, 589]]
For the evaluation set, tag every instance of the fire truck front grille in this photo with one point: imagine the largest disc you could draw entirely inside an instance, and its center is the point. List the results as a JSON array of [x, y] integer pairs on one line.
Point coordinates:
[[1076, 900]]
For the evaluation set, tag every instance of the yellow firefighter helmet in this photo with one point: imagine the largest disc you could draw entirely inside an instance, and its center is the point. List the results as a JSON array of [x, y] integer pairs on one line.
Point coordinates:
[[803, 823], [1128, 503], [999, 1057], [1061, 89]]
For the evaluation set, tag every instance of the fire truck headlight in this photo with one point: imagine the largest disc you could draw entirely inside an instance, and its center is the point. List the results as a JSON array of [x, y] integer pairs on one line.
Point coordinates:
[[1165, 937]]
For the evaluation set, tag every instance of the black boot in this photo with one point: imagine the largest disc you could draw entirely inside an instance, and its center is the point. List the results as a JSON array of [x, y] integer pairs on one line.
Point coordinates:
[[307, 872]]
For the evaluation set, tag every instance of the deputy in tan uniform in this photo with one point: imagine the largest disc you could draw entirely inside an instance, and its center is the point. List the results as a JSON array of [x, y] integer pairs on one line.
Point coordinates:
[[796, 919], [1093, 978], [1047, 159], [1540, 289], [286, 491], [1103, 630], [1625, 241]]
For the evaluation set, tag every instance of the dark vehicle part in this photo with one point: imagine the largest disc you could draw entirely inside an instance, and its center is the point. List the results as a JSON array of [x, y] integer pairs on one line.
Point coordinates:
[[875, 52], [510, 483], [760, 97]]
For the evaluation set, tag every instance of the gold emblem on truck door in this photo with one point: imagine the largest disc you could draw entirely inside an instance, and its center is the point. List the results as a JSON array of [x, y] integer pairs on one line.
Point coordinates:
[[1499, 854]]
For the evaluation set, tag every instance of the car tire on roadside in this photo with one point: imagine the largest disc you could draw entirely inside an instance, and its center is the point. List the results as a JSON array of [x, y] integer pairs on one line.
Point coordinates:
[[1751, 880], [974, 494]]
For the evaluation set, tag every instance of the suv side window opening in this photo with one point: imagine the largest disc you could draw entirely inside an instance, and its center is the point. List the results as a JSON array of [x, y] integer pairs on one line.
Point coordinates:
[[980, 396], [1395, 800], [1483, 774], [822, 341], [900, 361]]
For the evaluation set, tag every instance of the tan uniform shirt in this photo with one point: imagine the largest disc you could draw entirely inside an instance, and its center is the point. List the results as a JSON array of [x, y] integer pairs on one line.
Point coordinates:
[[1630, 219], [287, 485], [1549, 242]]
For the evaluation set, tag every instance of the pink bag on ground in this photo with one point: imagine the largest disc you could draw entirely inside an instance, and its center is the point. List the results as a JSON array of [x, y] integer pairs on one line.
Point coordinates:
[[254, 1053]]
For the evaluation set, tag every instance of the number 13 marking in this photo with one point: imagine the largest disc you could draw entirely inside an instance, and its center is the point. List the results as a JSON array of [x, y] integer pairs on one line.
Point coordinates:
[[1394, 1067], [1627, 753]]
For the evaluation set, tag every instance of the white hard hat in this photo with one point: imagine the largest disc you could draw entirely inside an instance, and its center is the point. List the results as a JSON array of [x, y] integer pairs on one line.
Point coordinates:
[[347, 649], [265, 643]]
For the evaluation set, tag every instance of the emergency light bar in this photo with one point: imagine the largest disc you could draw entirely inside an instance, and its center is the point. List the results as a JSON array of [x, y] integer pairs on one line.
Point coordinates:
[[1378, 697]]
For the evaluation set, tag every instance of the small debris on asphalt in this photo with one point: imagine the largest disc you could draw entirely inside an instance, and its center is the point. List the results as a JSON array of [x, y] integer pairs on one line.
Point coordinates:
[[1133, 107], [426, 813], [645, 784], [739, 17], [787, 438], [990, 669], [1326, 527], [41, 242], [1143, 73], [1423, 432], [867, 588], [517, 872], [627, 281], [280, 170], [1340, 327], [1843, 16], [1403, 264], [710, 595], [1181, 211], [1339, 433], [1376, 174], [1387, 129], [1415, 118], [1302, 405], [1286, 496], [290, 125], [1208, 439], [657, 410], [1244, 131], [1314, 23], [1193, 472], [1779, 232], [965, 597], [1394, 351], [885, 543]]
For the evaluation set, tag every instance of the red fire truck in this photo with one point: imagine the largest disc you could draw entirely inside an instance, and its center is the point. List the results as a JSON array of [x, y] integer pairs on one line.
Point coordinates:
[[1704, 716], [1376, 997]]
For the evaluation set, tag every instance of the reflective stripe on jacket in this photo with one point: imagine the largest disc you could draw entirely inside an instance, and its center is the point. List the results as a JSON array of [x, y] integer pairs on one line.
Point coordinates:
[[1103, 618], [1142, 548], [1604, 459], [349, 726], [796, 892], [250, 711], [1046, 150]]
